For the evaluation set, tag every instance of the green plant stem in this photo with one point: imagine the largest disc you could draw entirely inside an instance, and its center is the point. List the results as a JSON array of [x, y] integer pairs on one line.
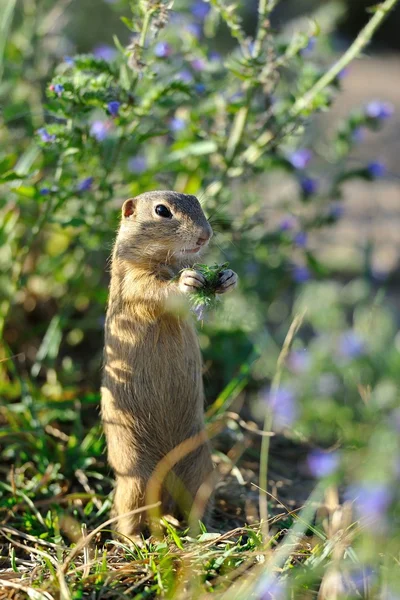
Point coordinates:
[[5, 26], [362, 40], [263, 478], [238, 127], [258, 147], [265, 7], [145, 28], [17, 272]]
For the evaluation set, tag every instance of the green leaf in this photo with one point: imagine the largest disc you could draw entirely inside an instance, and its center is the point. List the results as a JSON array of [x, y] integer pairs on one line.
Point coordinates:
[[49, 346], [9, 176], [196, 149]]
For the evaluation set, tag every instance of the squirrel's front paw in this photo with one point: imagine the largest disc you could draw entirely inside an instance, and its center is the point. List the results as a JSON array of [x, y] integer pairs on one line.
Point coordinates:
[[190, 281], [227, 281]]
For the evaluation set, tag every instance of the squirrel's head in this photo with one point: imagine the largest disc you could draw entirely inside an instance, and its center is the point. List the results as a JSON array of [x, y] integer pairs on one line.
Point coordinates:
[[166, 226]]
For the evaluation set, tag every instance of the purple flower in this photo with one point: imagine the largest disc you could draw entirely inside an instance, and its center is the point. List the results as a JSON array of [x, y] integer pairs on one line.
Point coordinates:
[[162, 50], [198, 64], [199, 311], [69, 60], [185, 76], [57, 88], [270, 588], [376, 169], [194, 29], [137, 164], [322, 464], [99, 130], [300, 239], [309, 185], [379, 110], [358, 580], [105, 52], [214, 56], [282, 403], [343, 73], [288, 223], [45, 135], [371, 501], [299, 361], [177, 124], [301, 274], [335, 210], [85, 184], [113, 108], [45, 191], [312, 42], [200, 9], [300, 158], [351, 345], [358, 134]]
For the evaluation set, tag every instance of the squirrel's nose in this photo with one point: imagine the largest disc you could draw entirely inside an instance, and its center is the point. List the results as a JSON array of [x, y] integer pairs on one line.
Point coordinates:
[[203, 239]]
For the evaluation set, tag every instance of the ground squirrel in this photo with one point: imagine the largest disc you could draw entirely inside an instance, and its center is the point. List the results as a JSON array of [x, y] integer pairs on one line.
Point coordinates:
[[152, 389]]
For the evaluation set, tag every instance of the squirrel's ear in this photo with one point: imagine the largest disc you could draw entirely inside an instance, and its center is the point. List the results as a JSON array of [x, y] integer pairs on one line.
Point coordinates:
[[128, 208]]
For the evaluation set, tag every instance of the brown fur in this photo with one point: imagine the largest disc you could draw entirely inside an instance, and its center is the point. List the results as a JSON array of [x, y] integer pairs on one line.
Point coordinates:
[[152, 391]]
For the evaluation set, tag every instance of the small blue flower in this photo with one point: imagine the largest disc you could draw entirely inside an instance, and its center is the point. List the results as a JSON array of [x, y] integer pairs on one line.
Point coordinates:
[[270, 588], [358, 134], [351, 345], [198, 64], [177, 124], [379, 110], [287, 224], [193, 29], [137, 164], [312, 42], [57, 88], [214, 56], [162, 50], [99, 130], [104, 51], [45, 191], [283, 405], [69, 60], [309, 185], [301, 274], [301, 158], [85, 184], [200, 88], [336, 210], [376, 169], [45, 135], [299, 361], [113, 108], [359, 580], [343, 73], [371, 501], [185, 76], [322, 464], [200, 9], [300, 239], [199, 311]]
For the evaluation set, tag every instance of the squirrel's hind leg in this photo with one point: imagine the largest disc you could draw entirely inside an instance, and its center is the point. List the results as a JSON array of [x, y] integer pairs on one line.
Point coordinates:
[[129, 495]]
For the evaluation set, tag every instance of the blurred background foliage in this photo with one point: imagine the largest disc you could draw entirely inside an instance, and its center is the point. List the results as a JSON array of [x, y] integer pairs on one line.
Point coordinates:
[[99, 105]]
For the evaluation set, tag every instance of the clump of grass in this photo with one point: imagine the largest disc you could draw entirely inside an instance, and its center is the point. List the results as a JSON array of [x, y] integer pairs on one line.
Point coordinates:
[[205, 298]]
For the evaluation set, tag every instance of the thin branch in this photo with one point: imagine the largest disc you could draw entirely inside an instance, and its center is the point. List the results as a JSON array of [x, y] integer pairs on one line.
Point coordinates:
[[265, 442], [361, 41]]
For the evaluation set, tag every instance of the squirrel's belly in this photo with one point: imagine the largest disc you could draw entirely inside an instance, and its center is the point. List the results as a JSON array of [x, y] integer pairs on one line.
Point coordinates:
[[156, 368]]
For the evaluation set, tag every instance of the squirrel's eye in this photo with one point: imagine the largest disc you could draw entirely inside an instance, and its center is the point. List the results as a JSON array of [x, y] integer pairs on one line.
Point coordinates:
[[163, 211]]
